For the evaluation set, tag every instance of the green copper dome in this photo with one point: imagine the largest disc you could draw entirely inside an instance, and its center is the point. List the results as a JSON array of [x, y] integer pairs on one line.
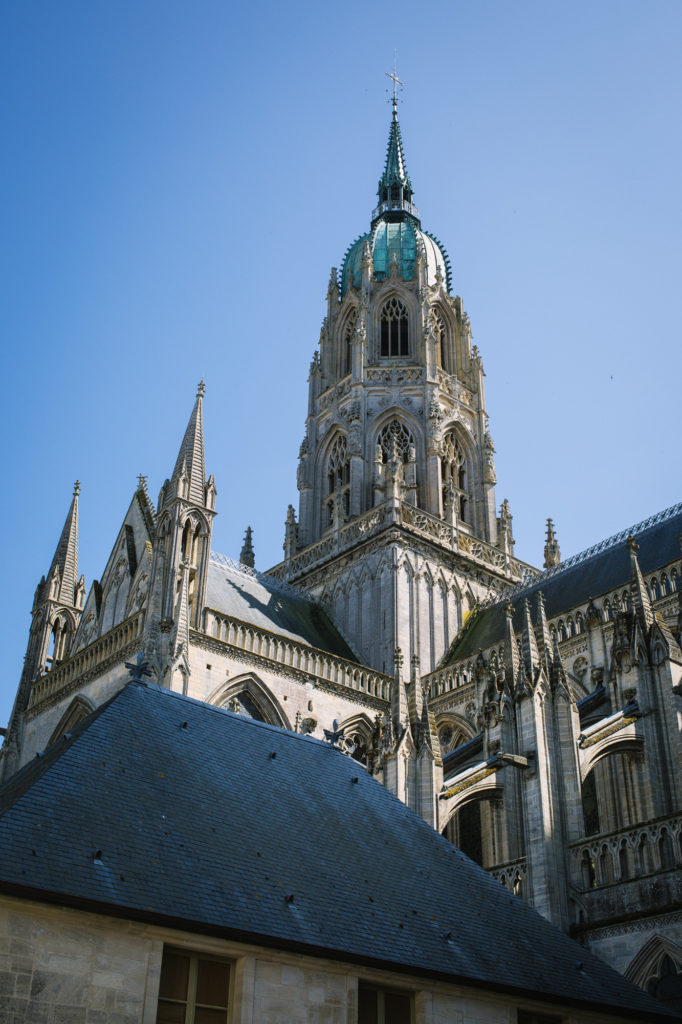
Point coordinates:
[[396, 232]]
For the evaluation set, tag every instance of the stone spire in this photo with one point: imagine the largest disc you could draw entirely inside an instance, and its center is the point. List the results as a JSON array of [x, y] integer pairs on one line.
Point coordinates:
[[552, 552], [190, 470], [641, 601], [247, 556], [63, 575]]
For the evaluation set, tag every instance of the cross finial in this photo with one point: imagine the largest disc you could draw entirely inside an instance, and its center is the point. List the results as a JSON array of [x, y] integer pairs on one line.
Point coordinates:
[[76, 488], [201, 389], [396, 82], [142, 480]]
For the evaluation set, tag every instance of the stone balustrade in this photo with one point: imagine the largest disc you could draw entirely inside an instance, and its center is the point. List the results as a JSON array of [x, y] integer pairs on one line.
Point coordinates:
[[629, 870], [69, 673], [512, 876], [417, 521], [297, 656]]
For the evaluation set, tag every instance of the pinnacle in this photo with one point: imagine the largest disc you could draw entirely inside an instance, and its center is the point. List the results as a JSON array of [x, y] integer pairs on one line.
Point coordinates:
[[65, 560], [191, 455]]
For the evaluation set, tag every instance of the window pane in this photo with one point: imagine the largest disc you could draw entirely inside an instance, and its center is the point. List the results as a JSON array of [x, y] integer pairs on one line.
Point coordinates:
[[397, 1008], [212, 980], [204, 1016], [367, 1006], [170, 1013], [174, 975]]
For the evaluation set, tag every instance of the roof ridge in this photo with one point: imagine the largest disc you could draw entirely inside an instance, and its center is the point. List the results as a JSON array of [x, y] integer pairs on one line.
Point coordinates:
[[584, 556], [263, 577]]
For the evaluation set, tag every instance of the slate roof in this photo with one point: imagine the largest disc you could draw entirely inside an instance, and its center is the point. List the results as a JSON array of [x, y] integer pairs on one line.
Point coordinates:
[[266, 603], [590, 574], [163, 809]]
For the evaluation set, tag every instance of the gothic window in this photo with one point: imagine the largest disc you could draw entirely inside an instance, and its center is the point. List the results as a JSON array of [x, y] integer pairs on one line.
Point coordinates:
[[665, 583], [347, 351], [455, 477], [395, 433], [439, 333], [394, 325], [673, 579], [655, 589], [667, 985], [590, 805], [608, 611], [60, 642], [193, 988], [338, 481], [579, 624]]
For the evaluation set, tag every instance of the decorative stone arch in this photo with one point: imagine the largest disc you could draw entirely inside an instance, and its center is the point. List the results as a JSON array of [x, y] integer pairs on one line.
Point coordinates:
[[407, 421], [62, 630], [254, 698], [472, 820], [445, 336], [115, 594], [459, 467], [453, 731], [78, 709], [346, 325], [334, 439], [657, 968]]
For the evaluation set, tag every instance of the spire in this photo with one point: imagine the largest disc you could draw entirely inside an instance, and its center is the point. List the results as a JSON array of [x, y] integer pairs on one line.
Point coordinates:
[[190, 471], [247, 556], [552, 552], [640, 596], [395, 187], [530, 646], [65, 561]]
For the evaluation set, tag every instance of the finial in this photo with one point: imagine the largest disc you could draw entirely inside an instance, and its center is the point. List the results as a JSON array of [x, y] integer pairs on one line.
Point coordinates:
[[632, 544], [142, 480], [396, 82], [76, 488], [201, 389]]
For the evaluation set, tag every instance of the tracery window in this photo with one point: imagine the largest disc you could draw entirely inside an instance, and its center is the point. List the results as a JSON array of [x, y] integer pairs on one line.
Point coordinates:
[[455, 475], [395, 433], [348, 334], [338, 480], [394, 328]]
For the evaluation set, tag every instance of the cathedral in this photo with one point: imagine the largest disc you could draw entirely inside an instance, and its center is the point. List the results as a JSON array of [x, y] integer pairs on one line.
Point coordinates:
[[531, 716]]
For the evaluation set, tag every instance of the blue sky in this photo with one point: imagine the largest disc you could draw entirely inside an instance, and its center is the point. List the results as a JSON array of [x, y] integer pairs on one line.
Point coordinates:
[[178, 178]]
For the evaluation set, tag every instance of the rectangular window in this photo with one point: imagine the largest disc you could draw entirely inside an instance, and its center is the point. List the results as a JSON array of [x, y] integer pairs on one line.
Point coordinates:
[[383, 1006], [193, 989]]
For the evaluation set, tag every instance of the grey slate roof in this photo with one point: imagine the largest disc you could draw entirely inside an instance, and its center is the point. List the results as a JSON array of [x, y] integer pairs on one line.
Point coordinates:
[[590, 574], [266, 603], [205, 820]]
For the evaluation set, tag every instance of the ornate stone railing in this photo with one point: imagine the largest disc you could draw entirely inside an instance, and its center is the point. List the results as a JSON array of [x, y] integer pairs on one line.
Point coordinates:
[[459, 540], [68, 673], [452, 677], [329, 546], [626, 855], [297, 656], [512, 876], [417, 521]]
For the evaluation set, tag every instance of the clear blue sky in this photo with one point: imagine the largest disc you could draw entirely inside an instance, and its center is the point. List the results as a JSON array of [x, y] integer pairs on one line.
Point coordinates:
[[178, 178]]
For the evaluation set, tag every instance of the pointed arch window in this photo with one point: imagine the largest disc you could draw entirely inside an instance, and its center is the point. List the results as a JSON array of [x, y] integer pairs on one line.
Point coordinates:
[[439, 333], [455, 477], [394, 328], [338, 481], [347, 347]]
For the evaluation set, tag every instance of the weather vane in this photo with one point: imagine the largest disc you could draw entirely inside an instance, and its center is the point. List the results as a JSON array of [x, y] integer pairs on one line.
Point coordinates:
[[396, 81]]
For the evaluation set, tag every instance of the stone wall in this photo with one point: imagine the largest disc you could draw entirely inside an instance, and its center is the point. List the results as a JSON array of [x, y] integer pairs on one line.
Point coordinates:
[[63, 966]]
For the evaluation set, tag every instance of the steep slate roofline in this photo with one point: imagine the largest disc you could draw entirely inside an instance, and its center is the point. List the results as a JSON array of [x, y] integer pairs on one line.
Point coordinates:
[[589, 574], [156, 779]]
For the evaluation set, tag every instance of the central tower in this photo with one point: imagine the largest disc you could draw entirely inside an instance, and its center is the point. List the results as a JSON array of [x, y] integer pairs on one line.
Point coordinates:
[[397, 529]]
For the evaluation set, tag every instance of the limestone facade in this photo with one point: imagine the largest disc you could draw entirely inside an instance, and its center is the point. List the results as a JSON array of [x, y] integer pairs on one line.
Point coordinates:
[[532, 717]]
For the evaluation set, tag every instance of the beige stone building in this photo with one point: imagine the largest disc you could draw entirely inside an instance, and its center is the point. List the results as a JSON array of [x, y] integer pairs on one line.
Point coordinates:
[[533, 717]]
